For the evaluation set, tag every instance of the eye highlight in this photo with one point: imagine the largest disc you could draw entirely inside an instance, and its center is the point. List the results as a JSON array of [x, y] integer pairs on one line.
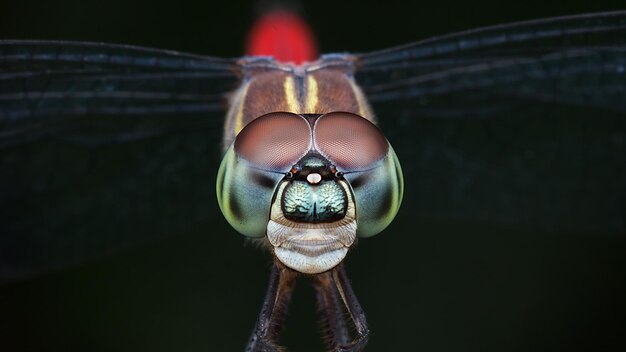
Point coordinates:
[[275, 141], [352, 142]]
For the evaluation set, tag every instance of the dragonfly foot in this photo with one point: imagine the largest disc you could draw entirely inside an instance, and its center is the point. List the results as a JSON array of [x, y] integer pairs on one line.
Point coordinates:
[[356, 346], [260, 344]]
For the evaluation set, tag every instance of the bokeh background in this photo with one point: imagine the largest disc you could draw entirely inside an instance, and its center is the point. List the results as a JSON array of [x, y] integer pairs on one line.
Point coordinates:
[[426, 286]]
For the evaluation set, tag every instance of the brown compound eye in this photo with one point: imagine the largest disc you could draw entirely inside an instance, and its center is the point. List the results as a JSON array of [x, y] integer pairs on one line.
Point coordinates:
[[275, 141], [349, 141]]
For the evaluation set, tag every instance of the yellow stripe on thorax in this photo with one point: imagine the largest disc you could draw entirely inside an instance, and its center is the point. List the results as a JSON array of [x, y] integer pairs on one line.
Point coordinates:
[[291, 95], [311, 101], [239, 117], [364, 108]]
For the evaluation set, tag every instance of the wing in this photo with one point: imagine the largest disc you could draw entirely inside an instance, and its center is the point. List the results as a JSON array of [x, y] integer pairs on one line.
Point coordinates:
[[102, 147], [521, 124]]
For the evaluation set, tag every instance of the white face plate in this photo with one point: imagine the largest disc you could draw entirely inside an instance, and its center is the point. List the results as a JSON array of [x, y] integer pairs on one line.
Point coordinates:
[[310, 265], [311, 248]]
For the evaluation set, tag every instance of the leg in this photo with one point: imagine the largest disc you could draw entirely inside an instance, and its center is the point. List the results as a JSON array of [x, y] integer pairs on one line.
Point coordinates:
[[334, 295], [354, 308], [337, 333], [272, 312]]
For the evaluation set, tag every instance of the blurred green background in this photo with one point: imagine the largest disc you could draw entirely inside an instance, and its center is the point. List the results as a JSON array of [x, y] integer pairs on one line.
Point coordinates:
[[425, 286]]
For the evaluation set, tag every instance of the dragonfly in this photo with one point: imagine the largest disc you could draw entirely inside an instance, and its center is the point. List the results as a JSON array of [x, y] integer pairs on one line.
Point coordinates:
[[93, 134]]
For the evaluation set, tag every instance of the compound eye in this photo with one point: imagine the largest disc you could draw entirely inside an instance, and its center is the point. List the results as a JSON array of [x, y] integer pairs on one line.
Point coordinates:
[[350, 141], [275, 141]]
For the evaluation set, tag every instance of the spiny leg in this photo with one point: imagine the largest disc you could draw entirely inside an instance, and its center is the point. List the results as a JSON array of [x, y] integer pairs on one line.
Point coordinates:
[[331, 306], [354, 308], [333, 288], [274, 307]]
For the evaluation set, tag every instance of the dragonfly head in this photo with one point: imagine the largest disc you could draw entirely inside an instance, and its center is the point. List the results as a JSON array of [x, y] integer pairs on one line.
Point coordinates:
[[311, 184]]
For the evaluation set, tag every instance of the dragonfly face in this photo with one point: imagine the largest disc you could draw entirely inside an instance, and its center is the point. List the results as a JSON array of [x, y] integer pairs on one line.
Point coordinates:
[[309, 180], [520, 125]]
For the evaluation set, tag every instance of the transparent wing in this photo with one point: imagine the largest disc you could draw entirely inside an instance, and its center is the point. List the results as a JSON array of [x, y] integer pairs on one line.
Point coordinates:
[[521, 124], [102, 147], [52, 88]]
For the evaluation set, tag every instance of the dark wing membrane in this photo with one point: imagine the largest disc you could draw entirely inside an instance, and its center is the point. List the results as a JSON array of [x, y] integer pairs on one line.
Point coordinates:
[[102, 147], [50, 88], [521, 124]]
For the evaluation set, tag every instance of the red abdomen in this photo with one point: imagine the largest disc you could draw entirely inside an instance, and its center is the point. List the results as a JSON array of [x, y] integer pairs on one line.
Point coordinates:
[[283, 35]]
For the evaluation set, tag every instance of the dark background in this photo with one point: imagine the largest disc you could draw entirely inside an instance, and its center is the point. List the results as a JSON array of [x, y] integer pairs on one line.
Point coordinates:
[[425, 286]]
